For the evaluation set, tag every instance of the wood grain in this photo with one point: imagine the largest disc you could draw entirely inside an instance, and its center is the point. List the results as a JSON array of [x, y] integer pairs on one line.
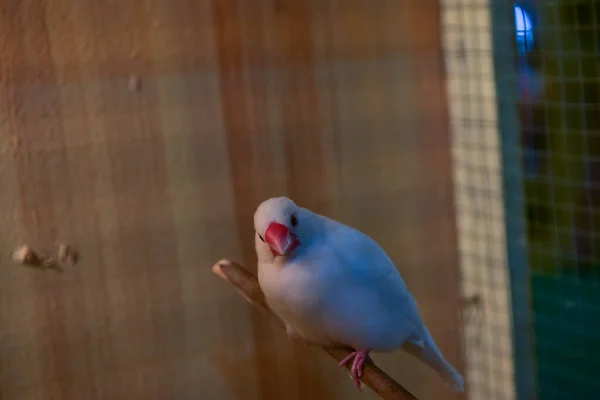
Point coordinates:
[[339, 105]]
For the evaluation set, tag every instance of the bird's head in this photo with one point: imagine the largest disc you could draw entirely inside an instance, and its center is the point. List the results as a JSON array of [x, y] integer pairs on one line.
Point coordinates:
[[278, 223]]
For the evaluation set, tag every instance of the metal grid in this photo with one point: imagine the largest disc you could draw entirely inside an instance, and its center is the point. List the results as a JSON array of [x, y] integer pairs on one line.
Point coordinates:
[[467, 41], [524, 99], [558, 104]]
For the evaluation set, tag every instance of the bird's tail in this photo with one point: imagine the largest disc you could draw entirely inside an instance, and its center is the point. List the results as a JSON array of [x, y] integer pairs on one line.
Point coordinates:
[[426, 350]]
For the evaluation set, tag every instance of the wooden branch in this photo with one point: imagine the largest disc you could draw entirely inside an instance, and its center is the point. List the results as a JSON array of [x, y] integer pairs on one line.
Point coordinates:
[[247, 284]]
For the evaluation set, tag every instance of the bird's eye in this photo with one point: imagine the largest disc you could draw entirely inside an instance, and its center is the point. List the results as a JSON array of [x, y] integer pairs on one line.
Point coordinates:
[[294, 220], [261, 238]]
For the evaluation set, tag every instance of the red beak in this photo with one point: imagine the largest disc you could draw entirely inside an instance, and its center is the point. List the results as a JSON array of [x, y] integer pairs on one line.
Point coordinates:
[[281, 240]]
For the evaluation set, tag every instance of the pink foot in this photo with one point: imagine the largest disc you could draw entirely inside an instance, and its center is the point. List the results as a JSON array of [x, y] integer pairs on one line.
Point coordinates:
[[356, 371]]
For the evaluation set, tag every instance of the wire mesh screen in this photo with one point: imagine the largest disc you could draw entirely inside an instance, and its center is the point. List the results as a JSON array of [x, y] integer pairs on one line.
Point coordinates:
[[558, 111], [544, 59], [468, 44]]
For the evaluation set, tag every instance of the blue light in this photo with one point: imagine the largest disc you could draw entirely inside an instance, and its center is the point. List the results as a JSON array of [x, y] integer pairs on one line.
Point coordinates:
[[524, 30]]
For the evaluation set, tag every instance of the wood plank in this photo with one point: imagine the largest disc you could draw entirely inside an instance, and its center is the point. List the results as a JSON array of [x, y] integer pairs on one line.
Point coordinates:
[[339, 105]]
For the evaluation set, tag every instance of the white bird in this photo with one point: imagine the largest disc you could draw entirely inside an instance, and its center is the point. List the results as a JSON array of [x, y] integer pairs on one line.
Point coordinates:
[[332, 285]]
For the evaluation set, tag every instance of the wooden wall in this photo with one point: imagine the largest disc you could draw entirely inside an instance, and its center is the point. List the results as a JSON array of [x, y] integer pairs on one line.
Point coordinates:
[[338, 104]]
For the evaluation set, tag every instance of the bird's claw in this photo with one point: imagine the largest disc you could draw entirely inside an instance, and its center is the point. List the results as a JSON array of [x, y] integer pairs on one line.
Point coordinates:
[[357, 365]]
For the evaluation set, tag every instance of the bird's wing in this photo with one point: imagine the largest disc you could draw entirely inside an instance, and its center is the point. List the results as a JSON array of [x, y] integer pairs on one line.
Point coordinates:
[[373, 268], [363, 256]]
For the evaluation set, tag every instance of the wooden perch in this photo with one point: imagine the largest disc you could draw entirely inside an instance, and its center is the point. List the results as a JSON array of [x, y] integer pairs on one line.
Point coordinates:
[[247, 284]]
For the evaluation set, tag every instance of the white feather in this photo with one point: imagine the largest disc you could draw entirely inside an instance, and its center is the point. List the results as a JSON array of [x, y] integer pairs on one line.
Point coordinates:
[[339, 287]]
